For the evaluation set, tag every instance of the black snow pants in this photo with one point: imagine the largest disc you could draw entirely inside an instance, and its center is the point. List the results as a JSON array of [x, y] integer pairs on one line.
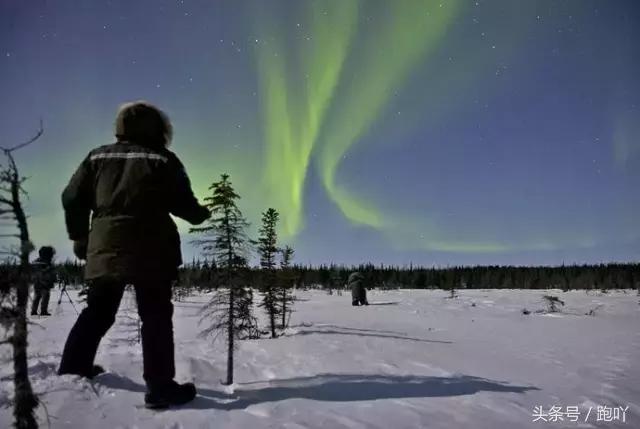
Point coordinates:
[[156, 311], [359, 296], [40, 298]]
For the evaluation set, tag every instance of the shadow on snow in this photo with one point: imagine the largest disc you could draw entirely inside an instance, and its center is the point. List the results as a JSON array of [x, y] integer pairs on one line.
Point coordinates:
[[333, 388], [363, 333]]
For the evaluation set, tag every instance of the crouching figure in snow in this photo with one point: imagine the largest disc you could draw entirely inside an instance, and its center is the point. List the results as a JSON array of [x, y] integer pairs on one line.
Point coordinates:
[[358, 290], [130, 188]]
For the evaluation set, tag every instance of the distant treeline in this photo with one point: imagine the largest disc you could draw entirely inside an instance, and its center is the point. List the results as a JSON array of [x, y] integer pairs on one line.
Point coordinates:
[[204, 275]]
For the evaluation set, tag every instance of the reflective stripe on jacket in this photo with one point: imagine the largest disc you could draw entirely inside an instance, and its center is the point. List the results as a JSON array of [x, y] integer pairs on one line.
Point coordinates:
[[130, 190]]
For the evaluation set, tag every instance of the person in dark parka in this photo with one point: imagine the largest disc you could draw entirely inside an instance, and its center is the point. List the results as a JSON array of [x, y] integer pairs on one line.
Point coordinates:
[[358, 290], [44, 278], [130, 188]]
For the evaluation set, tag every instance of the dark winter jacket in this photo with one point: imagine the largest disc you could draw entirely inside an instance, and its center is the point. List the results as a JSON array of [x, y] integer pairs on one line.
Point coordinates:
[[356, 283], [43, 274], [130, 189]]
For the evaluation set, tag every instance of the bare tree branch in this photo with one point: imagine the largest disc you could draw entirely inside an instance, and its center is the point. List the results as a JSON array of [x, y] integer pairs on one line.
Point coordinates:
[[25, 400], [28, 142], [6, 201]]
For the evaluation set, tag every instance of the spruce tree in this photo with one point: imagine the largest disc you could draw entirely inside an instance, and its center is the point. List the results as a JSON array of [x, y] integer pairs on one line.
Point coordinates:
[[335, 281], [230, 309], [285, 286], [267, 249]]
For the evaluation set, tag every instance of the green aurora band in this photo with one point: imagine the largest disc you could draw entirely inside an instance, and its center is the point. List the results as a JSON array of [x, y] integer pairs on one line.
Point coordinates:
[[292, 119], [321, 96], [412, 30]]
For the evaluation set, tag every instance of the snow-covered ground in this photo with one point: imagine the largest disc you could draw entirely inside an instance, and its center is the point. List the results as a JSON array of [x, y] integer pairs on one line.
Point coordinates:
[[412, 359]]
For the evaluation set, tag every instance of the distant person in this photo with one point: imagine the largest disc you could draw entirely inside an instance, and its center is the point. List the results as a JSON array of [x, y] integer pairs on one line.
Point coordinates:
[[358, 290], [44, 278], [129, 188]]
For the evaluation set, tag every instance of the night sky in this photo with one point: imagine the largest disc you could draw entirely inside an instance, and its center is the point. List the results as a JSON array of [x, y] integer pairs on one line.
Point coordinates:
[[432, 132]]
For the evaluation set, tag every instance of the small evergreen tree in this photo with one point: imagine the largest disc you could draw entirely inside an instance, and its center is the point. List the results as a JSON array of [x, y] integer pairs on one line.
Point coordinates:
[[267, 249], [285, 286], [335, 281], [553, 302], [230, 309]]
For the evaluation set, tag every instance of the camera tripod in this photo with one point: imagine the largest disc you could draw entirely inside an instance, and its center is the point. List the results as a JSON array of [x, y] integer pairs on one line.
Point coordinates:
[[63, 291]]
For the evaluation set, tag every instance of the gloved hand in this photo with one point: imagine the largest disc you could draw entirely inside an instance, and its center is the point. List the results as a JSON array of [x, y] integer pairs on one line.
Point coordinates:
[[80, 249]]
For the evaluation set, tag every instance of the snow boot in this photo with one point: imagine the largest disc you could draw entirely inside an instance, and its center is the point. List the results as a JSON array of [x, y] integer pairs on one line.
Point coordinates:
[[163, 397], [95, 370], [46, 313]]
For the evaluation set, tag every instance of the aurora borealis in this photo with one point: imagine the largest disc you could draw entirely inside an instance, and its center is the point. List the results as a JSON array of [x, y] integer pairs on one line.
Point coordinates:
[[433, 132]]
